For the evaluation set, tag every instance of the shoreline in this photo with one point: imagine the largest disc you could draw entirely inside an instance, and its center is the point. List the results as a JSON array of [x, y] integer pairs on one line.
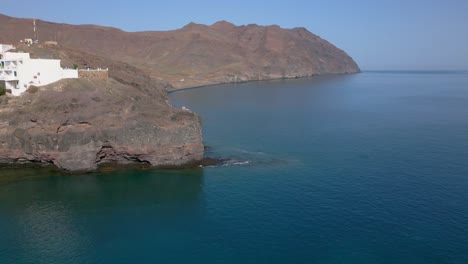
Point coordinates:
[[27, 168], [252, 81], [14, 172]]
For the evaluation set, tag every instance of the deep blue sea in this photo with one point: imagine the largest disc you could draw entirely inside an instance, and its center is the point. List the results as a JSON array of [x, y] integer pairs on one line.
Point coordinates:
[[364, 168]]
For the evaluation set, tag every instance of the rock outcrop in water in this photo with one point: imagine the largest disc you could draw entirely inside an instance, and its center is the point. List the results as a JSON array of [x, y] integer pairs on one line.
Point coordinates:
[[198, 54], [79, 124]]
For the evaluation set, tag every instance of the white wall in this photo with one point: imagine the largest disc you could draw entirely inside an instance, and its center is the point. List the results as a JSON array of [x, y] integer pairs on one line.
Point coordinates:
[[39, 72], [21, 72], [11, 86], [69, 74], [15, 56], [5, 48]]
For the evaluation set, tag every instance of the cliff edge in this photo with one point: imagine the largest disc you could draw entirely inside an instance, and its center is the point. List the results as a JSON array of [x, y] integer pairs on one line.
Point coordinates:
[[79, 124]]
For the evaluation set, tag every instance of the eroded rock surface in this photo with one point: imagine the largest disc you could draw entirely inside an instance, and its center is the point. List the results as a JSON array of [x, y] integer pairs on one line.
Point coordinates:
[[79, 124]]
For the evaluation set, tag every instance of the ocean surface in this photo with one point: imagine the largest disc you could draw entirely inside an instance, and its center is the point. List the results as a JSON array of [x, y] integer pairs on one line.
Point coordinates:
[[363, 168]]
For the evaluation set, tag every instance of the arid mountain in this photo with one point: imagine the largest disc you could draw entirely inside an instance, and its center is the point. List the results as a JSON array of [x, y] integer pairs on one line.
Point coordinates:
[[196, 54]]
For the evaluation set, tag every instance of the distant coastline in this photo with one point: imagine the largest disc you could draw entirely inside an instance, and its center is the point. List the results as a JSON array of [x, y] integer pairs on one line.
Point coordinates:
[[418, 71], [264, 80]]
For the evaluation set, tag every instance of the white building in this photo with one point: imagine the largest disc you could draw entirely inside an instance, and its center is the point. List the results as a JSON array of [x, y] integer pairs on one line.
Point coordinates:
[[19, 71], [5, 48]]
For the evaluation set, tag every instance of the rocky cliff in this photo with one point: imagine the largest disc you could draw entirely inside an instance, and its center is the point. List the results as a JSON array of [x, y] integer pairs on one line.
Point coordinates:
[[79, 124], [198, 54]]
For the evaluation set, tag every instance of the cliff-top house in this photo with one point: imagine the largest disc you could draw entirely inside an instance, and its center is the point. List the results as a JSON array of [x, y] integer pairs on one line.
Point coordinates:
[[19, 71]]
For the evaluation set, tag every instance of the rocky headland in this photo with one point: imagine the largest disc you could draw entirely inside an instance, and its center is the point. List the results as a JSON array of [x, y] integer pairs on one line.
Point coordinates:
[[81, 124]]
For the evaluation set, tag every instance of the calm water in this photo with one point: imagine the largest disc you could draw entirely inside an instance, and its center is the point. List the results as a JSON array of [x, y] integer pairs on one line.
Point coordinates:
[[366, 168]]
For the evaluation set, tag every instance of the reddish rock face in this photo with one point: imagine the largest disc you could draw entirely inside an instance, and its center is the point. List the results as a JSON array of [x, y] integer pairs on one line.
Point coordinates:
[[198, 54], [79, 124]]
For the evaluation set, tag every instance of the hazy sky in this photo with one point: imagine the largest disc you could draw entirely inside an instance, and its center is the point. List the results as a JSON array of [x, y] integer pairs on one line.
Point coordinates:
[[385, 34]]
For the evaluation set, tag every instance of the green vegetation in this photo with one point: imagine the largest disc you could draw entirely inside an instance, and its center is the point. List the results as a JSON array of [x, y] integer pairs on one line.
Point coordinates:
[[2, 90], [75, 66]]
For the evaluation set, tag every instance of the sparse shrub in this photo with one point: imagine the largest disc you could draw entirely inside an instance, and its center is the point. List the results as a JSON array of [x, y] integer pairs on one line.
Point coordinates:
[[2, 90], [75, 66]]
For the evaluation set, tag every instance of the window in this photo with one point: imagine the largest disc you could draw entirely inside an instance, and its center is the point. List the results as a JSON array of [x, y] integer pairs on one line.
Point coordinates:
[[15, 73]]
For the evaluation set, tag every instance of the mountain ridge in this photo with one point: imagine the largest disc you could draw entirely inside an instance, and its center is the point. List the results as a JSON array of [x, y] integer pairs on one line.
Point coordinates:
[[197, 54]]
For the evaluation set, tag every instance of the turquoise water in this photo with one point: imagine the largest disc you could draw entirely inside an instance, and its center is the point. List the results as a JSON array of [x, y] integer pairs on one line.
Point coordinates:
[[365, 168]]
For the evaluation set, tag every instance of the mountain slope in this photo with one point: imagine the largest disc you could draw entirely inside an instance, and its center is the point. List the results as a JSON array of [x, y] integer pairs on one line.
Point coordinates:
[[197, 54]]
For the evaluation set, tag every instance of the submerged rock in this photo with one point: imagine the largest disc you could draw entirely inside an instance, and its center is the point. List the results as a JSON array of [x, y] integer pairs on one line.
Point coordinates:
[[79, 124]]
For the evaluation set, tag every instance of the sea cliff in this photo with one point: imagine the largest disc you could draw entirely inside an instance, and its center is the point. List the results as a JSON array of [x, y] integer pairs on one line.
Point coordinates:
[[80, 124]]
